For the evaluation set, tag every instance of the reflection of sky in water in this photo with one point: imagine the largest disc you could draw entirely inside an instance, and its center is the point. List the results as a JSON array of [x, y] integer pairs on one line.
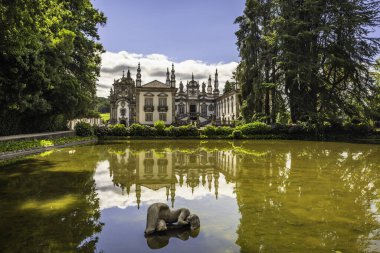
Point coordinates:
[[111, 196], [125, 223]]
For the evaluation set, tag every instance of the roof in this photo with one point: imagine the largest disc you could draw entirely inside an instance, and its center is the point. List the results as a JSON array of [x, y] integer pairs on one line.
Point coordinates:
[[155, 84]]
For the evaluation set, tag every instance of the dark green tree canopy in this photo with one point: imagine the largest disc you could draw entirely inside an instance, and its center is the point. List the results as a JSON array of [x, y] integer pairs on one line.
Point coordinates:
[[309, 57], [49, 62]]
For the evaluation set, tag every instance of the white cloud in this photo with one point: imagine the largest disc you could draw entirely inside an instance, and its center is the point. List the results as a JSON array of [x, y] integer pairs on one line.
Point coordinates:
[[112, 196], [153, 67]]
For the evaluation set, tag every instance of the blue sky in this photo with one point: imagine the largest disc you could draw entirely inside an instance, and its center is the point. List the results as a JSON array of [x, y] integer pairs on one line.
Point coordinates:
[[180, 29], [198, 36]]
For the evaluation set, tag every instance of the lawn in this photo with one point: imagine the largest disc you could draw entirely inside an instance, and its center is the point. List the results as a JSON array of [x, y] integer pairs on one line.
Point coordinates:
[[105, 116]]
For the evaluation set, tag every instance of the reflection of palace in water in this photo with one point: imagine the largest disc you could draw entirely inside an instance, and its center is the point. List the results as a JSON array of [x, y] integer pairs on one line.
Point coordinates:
[[160, 169]]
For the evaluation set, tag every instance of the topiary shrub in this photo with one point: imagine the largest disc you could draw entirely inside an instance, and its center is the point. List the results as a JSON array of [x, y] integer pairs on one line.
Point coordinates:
[[83, 129], [119, 130], [224, 131], [188, 130], [160, 127], [151, 131], [209, 131], [102, 131], [171, 131], [137, 130], [254, 128], [237, 134]]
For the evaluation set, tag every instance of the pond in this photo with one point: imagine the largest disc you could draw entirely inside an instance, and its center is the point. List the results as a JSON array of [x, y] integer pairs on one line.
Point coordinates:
[[251, 196]]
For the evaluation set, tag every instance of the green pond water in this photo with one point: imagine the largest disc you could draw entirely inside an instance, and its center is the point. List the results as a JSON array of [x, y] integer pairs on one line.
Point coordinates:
[[251, 196]]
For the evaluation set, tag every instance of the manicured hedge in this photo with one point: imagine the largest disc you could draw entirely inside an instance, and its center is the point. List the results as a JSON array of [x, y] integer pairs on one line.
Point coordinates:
[[83, 129], [249, 130]]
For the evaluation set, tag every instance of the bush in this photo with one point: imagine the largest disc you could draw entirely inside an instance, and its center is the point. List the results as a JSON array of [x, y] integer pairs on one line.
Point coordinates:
[[209, 131], [279, 128], [224, 131], [151, 131], [237, 134], [160, 127], [137, 130], [254, 128], [188, 130], [170, 131], [102, 131], [298, 129], [83, 129], [361, 128], [119, 130]]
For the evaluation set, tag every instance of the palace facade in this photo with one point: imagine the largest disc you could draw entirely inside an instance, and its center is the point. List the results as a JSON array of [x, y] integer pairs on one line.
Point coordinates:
[[134, 102]]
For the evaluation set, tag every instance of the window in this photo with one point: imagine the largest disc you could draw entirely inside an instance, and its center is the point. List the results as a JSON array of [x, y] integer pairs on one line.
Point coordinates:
[[163, 116], [148, 166], [123, 111], [162, 101], [149, 101], [204, 110], [181, 109], [148, 116], [162, 166], [211, 108]]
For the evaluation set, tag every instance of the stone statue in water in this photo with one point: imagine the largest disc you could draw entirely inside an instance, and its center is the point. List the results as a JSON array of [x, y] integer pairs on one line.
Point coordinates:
[[161, 218]]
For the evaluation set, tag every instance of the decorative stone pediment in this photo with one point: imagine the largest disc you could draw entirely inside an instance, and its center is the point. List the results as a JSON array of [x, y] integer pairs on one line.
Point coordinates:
[[149, 94], [162, 95]]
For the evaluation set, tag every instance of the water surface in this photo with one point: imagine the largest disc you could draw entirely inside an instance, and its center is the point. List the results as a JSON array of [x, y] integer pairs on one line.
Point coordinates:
[[251, 196]]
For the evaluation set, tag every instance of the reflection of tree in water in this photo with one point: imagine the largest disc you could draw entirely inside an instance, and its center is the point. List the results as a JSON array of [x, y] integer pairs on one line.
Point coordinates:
[[308, 196], [49, 204]]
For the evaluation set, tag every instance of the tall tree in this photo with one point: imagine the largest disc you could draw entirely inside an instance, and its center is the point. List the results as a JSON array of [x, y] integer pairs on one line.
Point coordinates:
[[49, 63], [315, 55]]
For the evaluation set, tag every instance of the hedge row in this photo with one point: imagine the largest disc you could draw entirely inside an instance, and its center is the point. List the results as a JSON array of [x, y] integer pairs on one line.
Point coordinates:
[[246, 130]]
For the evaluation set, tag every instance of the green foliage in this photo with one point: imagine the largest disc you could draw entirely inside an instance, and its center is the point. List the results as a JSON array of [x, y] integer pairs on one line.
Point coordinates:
[[102, 131], [137, 130], [103, 105], [188, 130], [105, 117], [15, 145], [224, 131], [119, 130], [229, 86], [46, 143], [254, 128], [298, 57], [49, 63], [357, 129], [160, 127], [209, 131], [237, 134], [83, 129]]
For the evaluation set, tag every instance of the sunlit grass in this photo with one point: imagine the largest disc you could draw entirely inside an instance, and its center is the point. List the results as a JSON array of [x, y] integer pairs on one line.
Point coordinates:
[[105, 116], [46, 143]]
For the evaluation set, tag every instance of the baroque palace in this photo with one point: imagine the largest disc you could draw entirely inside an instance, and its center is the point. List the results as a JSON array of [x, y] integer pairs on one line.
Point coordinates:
[[134, 102]]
